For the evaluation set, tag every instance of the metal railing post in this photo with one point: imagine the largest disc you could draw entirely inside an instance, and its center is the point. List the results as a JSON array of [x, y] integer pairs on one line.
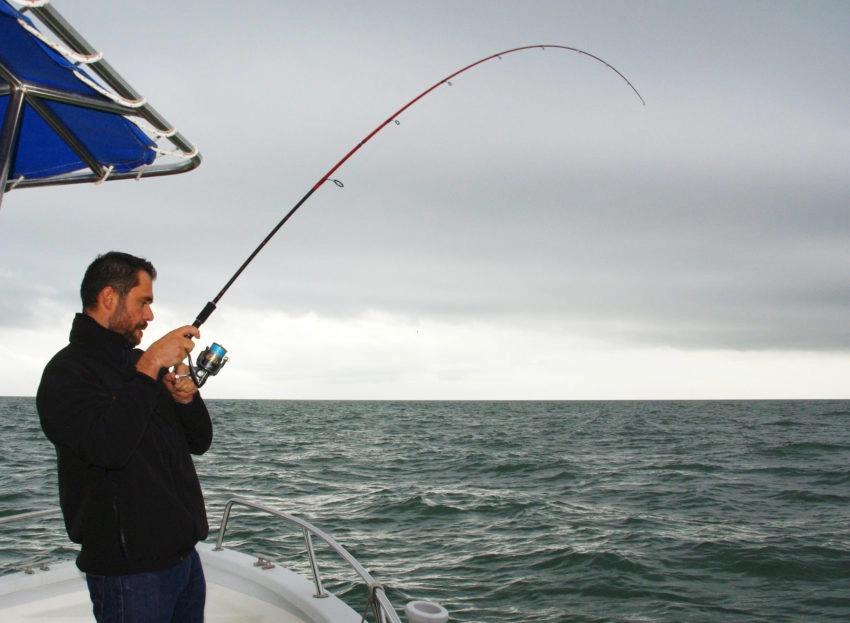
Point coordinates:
[[317, 578], [223, 527]]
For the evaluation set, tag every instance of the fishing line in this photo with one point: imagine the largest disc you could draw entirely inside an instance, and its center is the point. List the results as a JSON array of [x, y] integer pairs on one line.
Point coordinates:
[[210, 307]]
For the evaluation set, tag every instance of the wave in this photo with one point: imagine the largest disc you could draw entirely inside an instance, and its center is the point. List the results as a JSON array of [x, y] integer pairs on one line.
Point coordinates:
[[534, 512]]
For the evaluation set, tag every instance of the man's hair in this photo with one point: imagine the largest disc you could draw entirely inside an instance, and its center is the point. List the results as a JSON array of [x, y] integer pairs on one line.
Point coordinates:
[[118, 270]]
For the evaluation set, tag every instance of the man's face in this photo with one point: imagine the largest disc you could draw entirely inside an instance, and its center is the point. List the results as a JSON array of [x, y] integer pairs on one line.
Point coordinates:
[[133, 313]]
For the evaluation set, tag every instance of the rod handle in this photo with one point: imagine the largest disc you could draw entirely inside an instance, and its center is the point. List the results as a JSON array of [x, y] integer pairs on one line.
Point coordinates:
[[205, 313]]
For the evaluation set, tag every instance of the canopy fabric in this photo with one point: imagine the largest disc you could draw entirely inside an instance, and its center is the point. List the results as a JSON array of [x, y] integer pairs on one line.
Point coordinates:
[[38, 151]]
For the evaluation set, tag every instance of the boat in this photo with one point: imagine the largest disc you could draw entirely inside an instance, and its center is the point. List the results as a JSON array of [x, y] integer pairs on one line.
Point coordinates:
[[68, 117], [241, 588]]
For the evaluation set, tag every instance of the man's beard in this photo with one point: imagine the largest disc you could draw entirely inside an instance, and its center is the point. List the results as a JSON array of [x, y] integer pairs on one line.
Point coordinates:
[[121, 324]]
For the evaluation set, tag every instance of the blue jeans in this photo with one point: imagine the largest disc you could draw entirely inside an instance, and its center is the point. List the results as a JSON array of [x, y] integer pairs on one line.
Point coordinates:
[[173, 595]]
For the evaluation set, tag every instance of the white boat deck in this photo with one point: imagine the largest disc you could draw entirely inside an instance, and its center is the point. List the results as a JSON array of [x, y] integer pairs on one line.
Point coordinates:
[[240, 588], [237, 592]]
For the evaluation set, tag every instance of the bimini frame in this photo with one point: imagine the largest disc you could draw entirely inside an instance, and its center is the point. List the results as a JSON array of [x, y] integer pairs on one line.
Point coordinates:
[[119, 98]]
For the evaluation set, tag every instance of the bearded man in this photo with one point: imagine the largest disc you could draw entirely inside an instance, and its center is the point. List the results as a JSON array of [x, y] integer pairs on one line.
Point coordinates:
[[124, 425]]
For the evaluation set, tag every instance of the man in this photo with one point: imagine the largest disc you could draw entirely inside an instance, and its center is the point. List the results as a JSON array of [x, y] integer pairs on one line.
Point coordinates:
[[124, 427]]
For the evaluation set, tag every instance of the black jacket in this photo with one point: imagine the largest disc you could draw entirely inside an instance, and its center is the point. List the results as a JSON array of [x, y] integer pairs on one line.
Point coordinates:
[[127, 484]]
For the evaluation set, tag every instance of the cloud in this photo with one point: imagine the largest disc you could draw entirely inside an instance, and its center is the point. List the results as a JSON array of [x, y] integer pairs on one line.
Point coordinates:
[[534, 217]]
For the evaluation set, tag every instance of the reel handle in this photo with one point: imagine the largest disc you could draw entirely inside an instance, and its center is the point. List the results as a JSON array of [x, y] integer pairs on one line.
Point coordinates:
[[210, 362]]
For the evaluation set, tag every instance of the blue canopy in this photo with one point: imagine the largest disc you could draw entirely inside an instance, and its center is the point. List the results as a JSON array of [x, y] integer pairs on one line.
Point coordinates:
[[56, 128]]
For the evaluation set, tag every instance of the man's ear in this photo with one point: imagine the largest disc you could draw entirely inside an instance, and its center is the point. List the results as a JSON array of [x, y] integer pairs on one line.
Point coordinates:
[[108, 299]]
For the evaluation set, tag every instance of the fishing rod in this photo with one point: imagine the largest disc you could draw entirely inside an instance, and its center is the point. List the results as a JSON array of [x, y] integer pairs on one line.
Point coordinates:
[[213, 358]]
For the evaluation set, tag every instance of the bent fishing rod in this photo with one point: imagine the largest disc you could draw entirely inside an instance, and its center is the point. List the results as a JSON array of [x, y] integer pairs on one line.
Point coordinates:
[[213, 358]]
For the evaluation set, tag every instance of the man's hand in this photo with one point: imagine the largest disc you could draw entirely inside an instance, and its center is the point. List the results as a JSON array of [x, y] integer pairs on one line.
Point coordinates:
[[168, 351], [181, 386]]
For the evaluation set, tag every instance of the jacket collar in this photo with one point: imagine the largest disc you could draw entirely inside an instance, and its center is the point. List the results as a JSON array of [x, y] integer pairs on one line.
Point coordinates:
[[86, 332]]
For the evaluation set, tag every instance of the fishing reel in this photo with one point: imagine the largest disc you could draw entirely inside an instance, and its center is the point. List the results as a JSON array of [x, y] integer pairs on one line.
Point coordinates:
[[209, 362]]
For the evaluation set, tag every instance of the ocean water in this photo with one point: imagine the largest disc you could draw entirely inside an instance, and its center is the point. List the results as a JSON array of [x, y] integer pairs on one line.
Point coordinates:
[[526, 511]]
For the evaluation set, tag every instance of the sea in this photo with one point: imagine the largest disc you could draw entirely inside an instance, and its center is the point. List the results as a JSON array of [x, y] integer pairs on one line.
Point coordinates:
[[555, 512]]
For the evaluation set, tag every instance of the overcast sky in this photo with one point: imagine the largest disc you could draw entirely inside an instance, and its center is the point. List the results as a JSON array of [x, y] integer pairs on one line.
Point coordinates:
[[530, 232]]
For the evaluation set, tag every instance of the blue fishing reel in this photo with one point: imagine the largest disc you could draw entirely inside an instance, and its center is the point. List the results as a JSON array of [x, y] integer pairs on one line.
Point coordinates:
[[209, 362]]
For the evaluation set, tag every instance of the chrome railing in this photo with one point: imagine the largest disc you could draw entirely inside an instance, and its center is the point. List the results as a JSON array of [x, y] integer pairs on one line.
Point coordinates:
[[30, 568], [31, 515], [377, 599]]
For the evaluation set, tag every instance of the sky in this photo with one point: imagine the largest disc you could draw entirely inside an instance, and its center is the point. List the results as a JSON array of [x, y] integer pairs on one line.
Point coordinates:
[[532, 231]]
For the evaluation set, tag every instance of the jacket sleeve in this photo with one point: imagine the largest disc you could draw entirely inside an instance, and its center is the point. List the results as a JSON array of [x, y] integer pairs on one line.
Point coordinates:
[[101, 425], [197, 425]]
